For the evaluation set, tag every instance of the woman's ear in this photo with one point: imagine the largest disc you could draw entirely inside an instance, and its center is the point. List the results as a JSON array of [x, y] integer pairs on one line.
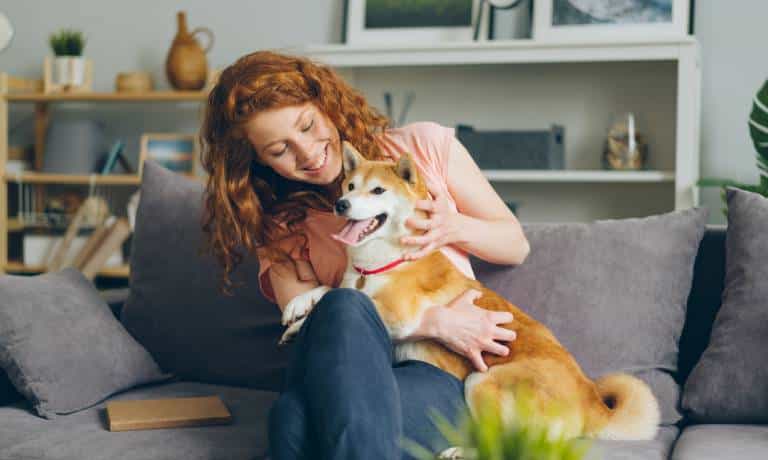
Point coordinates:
[[352, 158], [406, 169]]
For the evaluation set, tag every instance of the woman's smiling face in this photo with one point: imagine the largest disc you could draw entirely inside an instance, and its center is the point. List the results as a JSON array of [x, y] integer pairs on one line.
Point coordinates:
[[299, 142]]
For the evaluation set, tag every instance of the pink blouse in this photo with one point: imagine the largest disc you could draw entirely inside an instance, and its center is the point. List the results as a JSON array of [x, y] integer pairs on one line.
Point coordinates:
[[429, 144]]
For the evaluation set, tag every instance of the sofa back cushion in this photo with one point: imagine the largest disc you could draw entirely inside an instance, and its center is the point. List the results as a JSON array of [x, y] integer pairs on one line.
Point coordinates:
[[613, 292], [175, 308], [62, 347], [729, 384]]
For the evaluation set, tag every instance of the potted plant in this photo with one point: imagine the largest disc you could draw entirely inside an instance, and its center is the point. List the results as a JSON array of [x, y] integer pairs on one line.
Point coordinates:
[[531, 434], [69, 64], [758, 130]]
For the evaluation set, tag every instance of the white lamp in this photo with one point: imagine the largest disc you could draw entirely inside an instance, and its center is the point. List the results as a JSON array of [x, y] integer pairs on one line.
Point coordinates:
[[6, 31], [500, 4]]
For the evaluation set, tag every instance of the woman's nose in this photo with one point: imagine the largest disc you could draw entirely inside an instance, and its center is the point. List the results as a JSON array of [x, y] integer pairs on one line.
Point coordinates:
[[304, 150]]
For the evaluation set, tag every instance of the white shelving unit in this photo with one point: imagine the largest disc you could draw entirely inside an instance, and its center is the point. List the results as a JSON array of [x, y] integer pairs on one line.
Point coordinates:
[[576, 176], [528, 84]]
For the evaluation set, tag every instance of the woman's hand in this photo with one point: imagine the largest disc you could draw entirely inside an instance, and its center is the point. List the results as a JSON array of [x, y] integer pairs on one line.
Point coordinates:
[[468, 329], [442, 226]]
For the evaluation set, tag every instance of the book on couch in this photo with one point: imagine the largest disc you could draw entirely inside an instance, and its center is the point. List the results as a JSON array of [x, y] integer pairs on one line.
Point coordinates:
[[147, 414]]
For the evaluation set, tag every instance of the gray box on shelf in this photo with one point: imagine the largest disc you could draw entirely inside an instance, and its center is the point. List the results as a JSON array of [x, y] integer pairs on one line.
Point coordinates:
[[515, 149], [73, 146]]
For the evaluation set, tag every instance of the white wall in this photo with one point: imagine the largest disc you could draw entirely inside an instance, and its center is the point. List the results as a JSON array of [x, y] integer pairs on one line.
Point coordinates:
[[136, 35], [734, 66]]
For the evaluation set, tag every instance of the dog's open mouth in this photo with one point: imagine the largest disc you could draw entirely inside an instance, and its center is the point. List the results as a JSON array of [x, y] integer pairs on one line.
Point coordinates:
[[355, 231]]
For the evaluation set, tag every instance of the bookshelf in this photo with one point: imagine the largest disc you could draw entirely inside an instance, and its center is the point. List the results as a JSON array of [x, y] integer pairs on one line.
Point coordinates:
[[14, 90]]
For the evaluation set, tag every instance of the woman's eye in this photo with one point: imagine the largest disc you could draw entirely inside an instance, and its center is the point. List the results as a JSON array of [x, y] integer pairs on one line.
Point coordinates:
[[309, 126], [277, 154], [351, 186], [378, 191]]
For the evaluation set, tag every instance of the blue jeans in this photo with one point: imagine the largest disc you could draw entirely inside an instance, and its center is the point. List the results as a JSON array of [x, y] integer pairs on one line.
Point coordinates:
[[345, 399]]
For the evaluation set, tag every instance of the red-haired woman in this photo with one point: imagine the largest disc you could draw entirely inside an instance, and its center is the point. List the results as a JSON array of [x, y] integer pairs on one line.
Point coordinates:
[[272, 147]]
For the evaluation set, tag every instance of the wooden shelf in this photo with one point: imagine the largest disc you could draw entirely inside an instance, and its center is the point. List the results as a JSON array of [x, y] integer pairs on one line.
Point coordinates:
[[581, 176], [74, 179], [156, 96], [15, 225], [498, 52], [123, 271]]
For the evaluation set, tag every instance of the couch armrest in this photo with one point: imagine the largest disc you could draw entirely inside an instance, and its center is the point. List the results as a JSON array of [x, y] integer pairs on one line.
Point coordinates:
[[115, 298]]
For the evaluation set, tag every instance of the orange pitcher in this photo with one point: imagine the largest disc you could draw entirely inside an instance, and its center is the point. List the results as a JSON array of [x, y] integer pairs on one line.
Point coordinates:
[[186, 66]]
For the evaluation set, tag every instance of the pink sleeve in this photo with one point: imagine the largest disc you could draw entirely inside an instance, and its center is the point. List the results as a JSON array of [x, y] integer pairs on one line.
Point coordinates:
[[296, 251]]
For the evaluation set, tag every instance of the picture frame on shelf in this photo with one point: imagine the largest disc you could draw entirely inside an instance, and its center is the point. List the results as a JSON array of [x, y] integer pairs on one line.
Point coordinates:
[[588, 20], [387, 22], [174, 151]]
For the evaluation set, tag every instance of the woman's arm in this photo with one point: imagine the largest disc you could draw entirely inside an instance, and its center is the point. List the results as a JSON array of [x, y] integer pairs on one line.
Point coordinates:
[[286, 283], [483, 226]]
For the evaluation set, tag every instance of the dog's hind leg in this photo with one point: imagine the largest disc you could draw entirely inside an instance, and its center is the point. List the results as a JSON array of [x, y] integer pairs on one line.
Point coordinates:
[[524, 386]]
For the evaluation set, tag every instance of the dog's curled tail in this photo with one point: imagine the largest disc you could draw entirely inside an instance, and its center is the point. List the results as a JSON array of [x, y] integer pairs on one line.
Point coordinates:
[[633, 411]]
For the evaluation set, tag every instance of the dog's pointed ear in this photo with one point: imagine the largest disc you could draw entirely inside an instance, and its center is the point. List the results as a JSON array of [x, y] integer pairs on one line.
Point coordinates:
[[352, 157], [406, 169]]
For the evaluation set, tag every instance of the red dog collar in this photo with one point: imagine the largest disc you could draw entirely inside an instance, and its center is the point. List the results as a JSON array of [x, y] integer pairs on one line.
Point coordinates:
[[380, 269]]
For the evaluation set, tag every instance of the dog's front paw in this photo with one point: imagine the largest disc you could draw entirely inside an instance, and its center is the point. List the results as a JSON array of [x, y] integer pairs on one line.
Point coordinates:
[[291, 332], [300, 306]]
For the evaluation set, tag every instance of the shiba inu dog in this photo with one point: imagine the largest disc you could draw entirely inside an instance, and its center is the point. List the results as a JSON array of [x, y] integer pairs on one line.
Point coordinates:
[[378, 198]]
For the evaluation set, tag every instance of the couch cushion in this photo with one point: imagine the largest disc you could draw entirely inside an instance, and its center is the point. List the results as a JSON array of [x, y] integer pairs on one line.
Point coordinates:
[[657, 449], [62, 347], [730, 382], [84, 435], [175, 308], [719, 442], [8, 393], [613, 292]]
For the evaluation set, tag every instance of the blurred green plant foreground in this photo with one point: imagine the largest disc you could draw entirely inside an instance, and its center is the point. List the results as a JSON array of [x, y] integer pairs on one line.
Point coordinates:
[[528, 435]]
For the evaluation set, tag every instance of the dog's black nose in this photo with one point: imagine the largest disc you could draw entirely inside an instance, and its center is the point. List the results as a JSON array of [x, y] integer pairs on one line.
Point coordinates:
[[342, 206]]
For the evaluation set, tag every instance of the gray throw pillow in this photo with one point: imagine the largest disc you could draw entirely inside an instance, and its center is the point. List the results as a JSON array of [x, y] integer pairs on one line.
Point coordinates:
[[729, 384], [613, 292], [175, 308], [62, 347]]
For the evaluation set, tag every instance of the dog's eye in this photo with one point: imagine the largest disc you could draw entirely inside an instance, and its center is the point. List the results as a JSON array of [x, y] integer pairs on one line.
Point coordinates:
[[351, 186], [378, 191]]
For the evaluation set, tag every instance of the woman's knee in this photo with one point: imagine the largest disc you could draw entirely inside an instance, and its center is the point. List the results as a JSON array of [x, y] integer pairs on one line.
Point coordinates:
[[344, 305], [347, 318]]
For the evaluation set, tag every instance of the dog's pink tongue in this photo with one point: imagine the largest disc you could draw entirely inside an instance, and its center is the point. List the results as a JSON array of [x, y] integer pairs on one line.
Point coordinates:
[[351, 232]]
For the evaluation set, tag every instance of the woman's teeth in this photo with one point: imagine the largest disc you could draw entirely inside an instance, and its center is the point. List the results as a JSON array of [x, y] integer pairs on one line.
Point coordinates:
[[318, 164]]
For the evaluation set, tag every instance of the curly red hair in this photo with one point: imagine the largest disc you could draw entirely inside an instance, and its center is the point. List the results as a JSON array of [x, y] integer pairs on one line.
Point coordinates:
[[247, 205]]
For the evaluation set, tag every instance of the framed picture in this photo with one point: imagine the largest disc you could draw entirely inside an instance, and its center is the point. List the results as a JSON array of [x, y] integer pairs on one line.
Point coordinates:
[[610, 19], [176, 152], [385, 22]]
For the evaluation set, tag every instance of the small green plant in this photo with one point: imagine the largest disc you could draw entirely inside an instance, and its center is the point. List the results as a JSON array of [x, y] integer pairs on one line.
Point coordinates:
[[67, 42], [758, 130], [531, 435]]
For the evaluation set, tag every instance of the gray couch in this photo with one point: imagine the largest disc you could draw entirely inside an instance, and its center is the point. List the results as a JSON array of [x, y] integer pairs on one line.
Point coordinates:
[[83, 435], [614, 292]]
